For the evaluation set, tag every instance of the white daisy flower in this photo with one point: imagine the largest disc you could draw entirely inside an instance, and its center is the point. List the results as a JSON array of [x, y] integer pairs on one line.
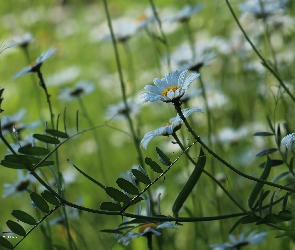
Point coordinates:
[[19, 186], [169, 89], [143, 230], [35, 66], [81, 88], [147, 229], [288, 139], [118, 111], [262, 8], [21, 41], [186, 13], [13, 122], [171, 127], [236, 242]]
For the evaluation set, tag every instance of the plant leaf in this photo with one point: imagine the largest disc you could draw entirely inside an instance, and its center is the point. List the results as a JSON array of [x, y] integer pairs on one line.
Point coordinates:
[[57, 133], [16, 228], [163, 156], [280, 176], [263, 134], [140, 176], [39, 202], [190, 184], [110, 206], [46, 139], [127, 186], [266, 152], [38, 151], [286, 215], [49, 197], [154, 166], [111, 231], [116, 194], [5, 243], [258, 186], [24, 217], [274, 163], [14, 165]]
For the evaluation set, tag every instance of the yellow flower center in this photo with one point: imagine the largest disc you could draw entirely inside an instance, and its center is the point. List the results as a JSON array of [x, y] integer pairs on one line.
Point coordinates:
[[32, 64], [167, 124], [173, 88], [141, 17], [145, 226]]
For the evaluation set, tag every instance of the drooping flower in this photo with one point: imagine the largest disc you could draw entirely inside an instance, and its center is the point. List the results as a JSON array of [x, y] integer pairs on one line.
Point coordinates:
[[144, 230], [288, 140], [171, 127], [81, 88], [124, 29], [35, 66], [119, 111], [186, 13], [19, 185], [236, 242], [262, 8], [14, 122], [21, 41], [147, 229], [168, 89]]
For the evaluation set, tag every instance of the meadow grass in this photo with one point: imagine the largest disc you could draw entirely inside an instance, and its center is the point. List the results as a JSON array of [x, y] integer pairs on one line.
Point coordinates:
[[239, 97]]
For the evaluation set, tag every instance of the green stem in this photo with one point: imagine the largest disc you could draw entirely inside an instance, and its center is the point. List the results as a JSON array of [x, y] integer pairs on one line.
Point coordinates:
[[35, 85], [190, 37], [43, 85], [134, 135], [216, 156], [130, 66], [162, 33], [208, 112], [264, 62], [96, 138]]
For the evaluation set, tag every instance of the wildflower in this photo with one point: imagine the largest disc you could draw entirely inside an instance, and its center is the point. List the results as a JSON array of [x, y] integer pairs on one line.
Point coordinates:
[[236, 242], [81, 88], [124, 29], [21, 41], [19, 186], [35, 66], [119, 111], [171, 127], [262, 8], [147, 229], [186, 13], [288, 139], [145, 19], [144, 230], [8, 123], [169, 89]]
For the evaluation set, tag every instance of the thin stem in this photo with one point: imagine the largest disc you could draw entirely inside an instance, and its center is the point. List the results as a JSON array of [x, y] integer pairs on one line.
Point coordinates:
[[134, 135], [190, 37], [162, 33], [224, 162], [264, 62], [96, 138], [208, 112], [35, 85], [43, 85], [149, 237], [156, 50], [130, 66]]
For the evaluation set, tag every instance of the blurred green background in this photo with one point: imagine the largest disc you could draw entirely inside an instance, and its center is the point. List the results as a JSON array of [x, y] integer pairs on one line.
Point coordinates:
[[241, 98]]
